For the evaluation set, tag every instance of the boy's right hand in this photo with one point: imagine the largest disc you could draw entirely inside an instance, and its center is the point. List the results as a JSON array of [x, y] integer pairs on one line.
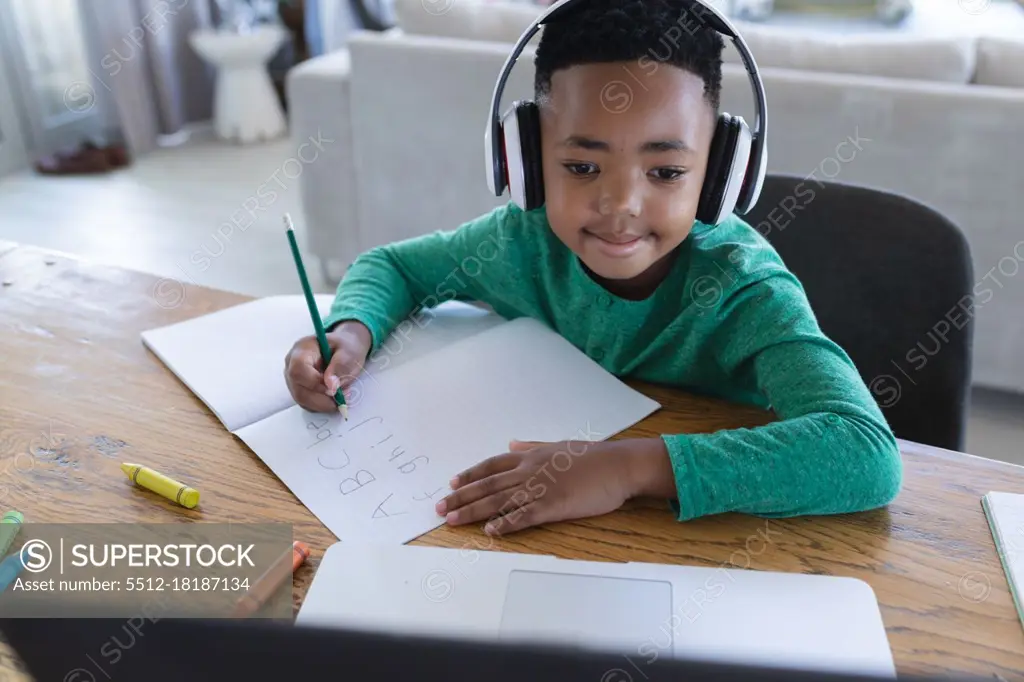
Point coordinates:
[[310, 386]]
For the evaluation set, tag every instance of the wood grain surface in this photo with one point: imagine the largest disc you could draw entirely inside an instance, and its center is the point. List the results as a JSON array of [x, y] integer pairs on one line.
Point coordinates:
[[81, 394]]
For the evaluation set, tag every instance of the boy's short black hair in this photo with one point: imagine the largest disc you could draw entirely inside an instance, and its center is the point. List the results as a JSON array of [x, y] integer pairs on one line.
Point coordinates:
[[649, 33]]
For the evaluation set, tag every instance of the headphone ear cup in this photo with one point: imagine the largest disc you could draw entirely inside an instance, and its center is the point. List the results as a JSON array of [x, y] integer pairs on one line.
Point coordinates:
[[753, 175], [720, 157], [737, 172], [494, 155], [528, 114], [515, 173]]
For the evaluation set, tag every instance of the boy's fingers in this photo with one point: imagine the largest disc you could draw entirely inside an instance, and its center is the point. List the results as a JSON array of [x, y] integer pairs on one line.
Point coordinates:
[[488, 467], [314, 401], [334, 375], [341, 372], [523, 445], [531, 514], [303, 369]]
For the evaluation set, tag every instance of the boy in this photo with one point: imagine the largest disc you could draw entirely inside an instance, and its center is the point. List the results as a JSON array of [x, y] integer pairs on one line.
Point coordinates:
[[617, 264]]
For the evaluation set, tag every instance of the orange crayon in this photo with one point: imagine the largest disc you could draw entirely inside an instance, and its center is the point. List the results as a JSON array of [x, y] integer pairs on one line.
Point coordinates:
[[300, 552], [271, 580]]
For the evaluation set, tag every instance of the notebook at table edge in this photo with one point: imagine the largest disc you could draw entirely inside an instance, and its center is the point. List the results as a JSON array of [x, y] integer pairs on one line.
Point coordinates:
[[1007, 561], [153, 348], [146, 337]]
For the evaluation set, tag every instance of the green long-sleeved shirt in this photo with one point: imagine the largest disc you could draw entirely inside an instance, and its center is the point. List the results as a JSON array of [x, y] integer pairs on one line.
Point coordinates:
[[730, 321]]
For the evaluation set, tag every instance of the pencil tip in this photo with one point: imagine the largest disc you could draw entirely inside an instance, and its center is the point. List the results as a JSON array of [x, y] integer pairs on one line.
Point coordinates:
[[287, 221], [344, 411]]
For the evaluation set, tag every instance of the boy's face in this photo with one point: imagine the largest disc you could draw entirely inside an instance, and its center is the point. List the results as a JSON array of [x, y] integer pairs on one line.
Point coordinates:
[[624, 159]]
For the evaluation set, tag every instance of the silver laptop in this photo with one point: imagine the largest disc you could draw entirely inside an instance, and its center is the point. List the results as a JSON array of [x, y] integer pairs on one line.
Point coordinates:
[[642, 611]]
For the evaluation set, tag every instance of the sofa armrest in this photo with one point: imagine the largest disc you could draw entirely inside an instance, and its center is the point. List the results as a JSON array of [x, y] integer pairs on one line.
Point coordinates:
[[319, 107]]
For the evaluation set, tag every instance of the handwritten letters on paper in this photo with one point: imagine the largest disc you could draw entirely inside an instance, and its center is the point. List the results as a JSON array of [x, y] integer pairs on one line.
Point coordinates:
[[377, 477], [372, 437]]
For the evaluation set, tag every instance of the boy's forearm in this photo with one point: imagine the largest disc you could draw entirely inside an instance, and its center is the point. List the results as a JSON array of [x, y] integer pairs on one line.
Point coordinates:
[[374, 294], [386, 284], [822, 463], [830, 451]]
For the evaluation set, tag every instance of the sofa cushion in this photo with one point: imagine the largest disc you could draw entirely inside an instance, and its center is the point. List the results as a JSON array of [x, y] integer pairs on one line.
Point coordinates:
[[920, 58], [467, 19], [1000, 62]]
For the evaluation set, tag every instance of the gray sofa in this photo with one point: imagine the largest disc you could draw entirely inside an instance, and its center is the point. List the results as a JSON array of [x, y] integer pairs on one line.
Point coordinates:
[[402, 116]]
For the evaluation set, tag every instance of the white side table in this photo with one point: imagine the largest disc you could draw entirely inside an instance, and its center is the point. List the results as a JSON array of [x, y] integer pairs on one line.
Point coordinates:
[[246, 107]]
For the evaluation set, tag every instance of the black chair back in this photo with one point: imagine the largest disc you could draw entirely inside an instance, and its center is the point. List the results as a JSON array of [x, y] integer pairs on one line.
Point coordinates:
[[891, 281]]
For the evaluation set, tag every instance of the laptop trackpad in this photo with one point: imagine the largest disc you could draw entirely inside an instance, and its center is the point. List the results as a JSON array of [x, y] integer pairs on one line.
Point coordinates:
[[614, 614]]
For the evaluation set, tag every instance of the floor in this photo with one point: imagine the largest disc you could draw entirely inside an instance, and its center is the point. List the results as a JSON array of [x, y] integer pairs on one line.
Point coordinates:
[[211, 213], [207, 213]]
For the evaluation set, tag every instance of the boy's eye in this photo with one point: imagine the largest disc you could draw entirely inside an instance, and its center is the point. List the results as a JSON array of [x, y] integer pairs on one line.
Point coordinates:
[[668, 174], [581, 168]]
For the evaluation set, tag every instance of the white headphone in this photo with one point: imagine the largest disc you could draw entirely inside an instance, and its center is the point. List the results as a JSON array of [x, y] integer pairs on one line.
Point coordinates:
[[736, 163]]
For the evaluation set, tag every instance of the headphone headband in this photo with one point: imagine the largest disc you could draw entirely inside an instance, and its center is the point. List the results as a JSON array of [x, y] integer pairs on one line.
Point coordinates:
[[716, 20]]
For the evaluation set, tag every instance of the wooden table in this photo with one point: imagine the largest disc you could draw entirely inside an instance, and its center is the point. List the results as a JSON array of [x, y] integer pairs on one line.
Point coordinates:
[[81, 393]]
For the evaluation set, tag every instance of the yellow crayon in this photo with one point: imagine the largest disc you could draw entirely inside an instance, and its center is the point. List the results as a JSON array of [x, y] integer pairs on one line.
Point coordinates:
[[162, 485]]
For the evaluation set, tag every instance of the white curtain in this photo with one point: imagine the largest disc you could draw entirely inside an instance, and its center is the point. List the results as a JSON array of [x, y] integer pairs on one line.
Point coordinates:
[[152, 81]]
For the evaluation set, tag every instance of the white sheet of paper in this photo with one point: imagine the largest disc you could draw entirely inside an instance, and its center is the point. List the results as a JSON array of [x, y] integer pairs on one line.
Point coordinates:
[[233, 359], [377, 477]]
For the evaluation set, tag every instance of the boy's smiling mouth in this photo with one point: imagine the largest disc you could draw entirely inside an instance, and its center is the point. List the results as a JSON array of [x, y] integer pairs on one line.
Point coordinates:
[[617, 245]]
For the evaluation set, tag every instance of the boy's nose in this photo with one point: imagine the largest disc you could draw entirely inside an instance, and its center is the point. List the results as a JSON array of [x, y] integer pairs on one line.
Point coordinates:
[[620, 197]]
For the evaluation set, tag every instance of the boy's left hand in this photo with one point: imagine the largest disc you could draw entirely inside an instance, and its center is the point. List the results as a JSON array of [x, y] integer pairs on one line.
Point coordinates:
[[537, 483]]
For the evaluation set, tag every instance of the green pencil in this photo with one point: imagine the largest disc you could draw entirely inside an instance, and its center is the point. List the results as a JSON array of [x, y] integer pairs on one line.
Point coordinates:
[[321, 336]]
